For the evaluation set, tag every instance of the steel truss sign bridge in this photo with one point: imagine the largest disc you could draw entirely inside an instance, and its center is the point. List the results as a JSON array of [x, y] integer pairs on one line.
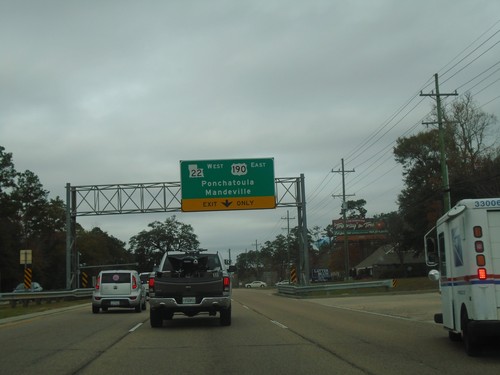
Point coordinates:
[[155, 197]]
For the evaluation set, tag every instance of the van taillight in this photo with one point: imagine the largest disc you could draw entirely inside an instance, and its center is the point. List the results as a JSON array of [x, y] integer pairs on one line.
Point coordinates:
[[480, 260], [479, 246], [226, 282], [481, 273], [478, 231], [134, 282]]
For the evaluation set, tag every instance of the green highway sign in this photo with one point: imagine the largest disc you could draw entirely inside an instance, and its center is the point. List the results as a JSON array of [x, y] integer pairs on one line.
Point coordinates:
[[216, 185]]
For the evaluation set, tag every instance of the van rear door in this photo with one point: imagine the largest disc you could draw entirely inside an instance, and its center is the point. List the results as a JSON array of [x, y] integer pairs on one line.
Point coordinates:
[[447, 285], [494, 236]]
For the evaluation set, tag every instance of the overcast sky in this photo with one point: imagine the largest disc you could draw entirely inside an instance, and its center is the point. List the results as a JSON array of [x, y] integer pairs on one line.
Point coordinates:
[[107, 92]]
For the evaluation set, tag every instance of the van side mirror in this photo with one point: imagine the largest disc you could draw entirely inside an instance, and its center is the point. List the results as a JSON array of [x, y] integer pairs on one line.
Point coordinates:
[[434, 275], [431, 255]]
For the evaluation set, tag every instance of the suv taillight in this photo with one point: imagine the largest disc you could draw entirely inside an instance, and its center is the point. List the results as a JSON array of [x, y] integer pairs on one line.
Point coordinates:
[[98, 283], [226, 282], [134, 282]]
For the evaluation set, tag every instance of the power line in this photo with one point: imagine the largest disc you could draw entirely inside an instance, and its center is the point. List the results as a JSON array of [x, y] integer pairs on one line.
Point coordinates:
[[371, 150], [477, 76], [465, 49]]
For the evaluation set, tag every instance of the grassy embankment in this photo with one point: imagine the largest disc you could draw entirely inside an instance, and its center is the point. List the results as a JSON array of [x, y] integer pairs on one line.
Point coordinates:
[[410, 285], [6, 311]]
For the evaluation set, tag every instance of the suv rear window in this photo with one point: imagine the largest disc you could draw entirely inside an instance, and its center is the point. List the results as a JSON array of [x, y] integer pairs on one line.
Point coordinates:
[[116, 277]]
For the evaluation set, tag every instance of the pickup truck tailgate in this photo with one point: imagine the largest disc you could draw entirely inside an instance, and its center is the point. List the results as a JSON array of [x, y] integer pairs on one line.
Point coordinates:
[[188, 287]]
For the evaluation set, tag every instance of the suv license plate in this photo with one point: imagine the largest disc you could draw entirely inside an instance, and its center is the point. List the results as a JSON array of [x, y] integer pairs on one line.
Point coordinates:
[[115, 303], [188, 300]]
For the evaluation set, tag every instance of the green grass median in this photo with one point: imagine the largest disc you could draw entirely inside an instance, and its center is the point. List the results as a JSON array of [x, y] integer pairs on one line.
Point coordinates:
[[7, 311]]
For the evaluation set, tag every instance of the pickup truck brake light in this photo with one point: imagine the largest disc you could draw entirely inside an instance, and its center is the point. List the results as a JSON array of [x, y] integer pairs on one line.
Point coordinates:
[[151, 283], [226, 282]]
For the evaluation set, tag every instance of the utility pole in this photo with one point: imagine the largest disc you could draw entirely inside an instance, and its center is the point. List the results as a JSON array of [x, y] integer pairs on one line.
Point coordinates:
[[442, 152], [288, 218], [257, 246], [344, 217]]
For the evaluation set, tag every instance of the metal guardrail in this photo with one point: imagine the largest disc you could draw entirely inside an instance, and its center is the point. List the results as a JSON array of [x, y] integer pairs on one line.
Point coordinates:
[[306, 290], [38, 297]]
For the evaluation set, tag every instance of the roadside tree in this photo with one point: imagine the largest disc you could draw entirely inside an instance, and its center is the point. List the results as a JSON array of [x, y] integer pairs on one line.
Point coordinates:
[[471, 146], [149, 246]]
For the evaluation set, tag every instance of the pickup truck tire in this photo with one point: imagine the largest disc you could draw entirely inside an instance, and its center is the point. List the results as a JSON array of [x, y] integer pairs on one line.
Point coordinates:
[[155, 318], [225, 317]]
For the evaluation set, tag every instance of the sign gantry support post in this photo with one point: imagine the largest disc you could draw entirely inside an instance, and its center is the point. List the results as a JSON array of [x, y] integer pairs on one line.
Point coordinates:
[[304, 243]]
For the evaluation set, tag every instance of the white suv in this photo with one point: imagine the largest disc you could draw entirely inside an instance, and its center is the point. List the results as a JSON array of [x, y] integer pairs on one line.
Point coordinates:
[[119, 288]]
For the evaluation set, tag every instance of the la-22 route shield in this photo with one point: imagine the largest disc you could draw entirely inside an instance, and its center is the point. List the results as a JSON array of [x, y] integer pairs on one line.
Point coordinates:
[[220, 185]]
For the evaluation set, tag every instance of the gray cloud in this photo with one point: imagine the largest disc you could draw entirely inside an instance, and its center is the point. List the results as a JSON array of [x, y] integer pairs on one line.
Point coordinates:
[[120, 91]]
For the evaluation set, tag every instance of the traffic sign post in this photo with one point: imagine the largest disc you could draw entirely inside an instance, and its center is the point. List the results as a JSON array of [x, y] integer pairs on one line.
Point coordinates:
[[25, 257], [222, 185]]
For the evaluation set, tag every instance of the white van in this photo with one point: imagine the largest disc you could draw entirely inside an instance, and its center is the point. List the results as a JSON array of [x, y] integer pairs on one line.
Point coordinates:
[[118, 288], [465, 248]]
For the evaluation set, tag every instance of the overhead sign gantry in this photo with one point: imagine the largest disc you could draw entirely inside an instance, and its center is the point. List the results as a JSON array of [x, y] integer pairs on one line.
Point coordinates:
[[221, 185], [207, 185]]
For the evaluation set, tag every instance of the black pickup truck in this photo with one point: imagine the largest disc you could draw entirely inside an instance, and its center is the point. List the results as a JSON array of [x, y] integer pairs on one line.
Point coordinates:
[[190, 283]]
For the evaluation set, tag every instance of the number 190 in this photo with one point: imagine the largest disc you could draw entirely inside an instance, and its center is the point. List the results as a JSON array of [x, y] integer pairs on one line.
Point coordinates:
[[239, 169]]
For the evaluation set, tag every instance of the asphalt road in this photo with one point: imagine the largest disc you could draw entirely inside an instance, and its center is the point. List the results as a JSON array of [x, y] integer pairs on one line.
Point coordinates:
[[269, 335]]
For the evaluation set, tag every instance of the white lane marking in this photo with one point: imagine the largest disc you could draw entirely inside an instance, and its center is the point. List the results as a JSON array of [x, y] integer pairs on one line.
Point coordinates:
[[384, 315], [137, 326], [279, 324]]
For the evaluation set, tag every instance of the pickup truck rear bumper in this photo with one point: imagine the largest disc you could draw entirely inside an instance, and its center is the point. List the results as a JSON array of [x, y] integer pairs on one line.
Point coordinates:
[[206, 304]]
